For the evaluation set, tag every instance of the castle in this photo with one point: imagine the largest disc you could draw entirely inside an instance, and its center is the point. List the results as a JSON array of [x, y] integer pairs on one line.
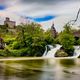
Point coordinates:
[[9, 23]]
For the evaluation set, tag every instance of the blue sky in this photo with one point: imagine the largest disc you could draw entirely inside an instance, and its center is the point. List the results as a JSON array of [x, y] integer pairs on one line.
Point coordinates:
[[44, 12], [41, 18], [2, 7]]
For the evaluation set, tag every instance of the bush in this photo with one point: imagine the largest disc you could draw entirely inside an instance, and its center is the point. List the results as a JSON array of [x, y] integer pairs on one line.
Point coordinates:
[[2, 53], [19, 52], [5, 53], [78, 41], [15, 53], [17, 45], [9, 41], [70, 51]]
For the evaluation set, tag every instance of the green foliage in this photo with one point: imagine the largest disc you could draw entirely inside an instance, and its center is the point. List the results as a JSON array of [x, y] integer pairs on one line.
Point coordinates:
[[17, 45], [14, 53], [67, 29], [19, 52], [48, 37], [78, 41], [66, 39], [33, 38], [9, 41], [3, 28], [2, 53], [5, 53]]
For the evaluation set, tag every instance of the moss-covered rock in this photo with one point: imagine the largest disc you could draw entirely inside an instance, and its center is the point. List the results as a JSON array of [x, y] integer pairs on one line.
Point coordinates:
[[61, 53]]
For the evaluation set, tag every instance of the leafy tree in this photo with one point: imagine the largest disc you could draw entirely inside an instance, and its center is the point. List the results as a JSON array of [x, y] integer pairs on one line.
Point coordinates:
[[66, 39], [32, 37], [49, 39]]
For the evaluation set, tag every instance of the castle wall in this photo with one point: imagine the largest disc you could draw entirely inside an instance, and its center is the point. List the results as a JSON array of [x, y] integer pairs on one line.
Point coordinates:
[[11, 24]]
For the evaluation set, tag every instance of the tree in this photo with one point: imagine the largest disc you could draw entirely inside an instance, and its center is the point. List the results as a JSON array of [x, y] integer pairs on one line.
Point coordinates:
[[49, 39], [31, 37], [66, 39]]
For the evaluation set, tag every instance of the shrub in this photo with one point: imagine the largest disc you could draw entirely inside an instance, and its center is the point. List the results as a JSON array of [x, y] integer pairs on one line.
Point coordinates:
[[17, 45], [9, 41], [5, 53], [19, 52], [78, 41]]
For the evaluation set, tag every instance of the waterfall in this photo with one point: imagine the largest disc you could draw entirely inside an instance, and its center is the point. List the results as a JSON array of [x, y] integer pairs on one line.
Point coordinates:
[[45, 53], [76, 51], [50, 46], [52, 51]]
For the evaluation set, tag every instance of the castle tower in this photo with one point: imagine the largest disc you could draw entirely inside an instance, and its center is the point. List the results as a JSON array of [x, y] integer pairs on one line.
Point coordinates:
[[11, 24], [7, 19], [53, 31]]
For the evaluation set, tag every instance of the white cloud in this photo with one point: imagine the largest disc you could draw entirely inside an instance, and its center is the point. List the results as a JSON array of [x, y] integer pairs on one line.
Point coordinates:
[[64, 10]]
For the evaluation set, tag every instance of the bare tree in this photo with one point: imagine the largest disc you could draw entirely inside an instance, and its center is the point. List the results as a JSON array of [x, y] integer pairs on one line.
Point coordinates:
[[74, 19]]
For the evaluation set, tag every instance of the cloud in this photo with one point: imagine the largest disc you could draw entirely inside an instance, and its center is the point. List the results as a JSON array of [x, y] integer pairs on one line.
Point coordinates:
[[47, 2], [62, 9]]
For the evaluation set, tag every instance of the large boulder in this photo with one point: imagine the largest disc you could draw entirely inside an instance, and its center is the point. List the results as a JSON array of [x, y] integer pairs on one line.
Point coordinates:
[[61, 53]]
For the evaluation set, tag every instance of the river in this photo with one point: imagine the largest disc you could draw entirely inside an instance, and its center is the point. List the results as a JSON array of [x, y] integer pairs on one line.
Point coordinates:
[[40, 69]]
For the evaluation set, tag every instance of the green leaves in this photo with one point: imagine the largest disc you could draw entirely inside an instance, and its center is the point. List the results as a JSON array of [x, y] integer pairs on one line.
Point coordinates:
[[66, 39]]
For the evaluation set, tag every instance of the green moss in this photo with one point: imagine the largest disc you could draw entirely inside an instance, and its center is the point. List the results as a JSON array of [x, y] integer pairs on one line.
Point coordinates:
[[61, 53]]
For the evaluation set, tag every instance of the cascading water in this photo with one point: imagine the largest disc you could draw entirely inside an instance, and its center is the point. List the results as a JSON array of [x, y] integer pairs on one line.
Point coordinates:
[[53, 50], [76, 51], [50, 46]]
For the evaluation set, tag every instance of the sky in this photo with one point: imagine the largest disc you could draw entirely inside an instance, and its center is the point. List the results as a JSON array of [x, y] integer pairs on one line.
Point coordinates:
[[45, 12]]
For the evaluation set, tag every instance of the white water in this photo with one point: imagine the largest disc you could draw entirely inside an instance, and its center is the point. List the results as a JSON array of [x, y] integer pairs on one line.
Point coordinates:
[[50, 46], [53, 50], [76, 51]]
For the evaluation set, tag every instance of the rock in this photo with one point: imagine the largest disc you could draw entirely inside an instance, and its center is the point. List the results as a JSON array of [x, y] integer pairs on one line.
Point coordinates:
[[69, 72], [61, 53]]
